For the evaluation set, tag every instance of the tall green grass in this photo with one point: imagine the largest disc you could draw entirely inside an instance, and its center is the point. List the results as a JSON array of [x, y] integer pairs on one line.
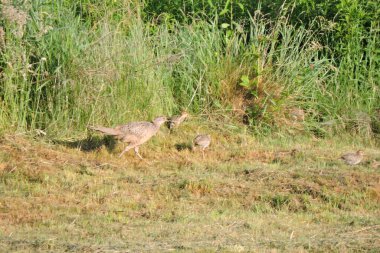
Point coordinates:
[[74, 66]]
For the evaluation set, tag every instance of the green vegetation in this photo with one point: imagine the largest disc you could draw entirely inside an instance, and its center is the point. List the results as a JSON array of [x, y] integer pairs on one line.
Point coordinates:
[[67, 64]]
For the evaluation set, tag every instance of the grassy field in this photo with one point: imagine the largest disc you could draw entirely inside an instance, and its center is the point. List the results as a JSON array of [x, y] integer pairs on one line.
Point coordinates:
[[65, 65], [78, 196]]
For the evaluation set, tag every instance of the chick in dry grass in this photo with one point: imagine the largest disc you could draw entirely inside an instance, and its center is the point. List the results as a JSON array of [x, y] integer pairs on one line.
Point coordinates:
[[353, 158], [176, 120], [202, 141], [134, 133], [375, 164], [280, 155], [297, 114]]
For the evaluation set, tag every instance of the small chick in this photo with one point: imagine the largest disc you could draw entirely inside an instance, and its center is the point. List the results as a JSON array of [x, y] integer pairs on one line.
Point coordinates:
[[297, 114], [375, 164], [353, 158], [202, 141], [282, 154], [176, 120]]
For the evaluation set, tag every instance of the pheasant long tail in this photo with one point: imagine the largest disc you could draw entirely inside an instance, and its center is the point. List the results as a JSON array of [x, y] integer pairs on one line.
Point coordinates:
[[105, 130]]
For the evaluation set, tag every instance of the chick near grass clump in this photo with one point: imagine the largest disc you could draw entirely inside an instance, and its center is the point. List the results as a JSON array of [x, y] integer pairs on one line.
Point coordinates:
[[353, 158]]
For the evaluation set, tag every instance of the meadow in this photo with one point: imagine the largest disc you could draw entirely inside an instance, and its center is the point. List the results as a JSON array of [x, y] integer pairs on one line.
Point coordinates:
[[240, 70], [69, 197]]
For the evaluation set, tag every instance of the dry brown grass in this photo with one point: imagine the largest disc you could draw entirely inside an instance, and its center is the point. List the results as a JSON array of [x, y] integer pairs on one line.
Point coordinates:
[[236, 199]]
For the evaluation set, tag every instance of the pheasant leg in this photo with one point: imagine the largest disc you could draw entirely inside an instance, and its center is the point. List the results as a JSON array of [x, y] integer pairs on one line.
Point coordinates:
[[137, 152], [126, 150]]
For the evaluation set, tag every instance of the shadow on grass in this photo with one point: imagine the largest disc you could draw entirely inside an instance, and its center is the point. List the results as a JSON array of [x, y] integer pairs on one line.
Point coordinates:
[[90, 143], [183, 146]]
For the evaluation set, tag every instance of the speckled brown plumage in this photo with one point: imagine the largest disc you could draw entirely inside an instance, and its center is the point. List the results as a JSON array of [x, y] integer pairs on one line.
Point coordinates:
[[134, 133], [202, 141], [176, 120], [353, 158]]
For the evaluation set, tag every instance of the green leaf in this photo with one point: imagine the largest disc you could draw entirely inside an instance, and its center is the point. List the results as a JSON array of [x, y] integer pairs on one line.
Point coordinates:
[[211, 4], [223, 12], [225, 25], [254, 93], [245, 81], [244, 78]]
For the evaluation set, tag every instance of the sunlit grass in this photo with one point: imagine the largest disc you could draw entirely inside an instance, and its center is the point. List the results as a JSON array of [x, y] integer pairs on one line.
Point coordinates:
[[238, 197]]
